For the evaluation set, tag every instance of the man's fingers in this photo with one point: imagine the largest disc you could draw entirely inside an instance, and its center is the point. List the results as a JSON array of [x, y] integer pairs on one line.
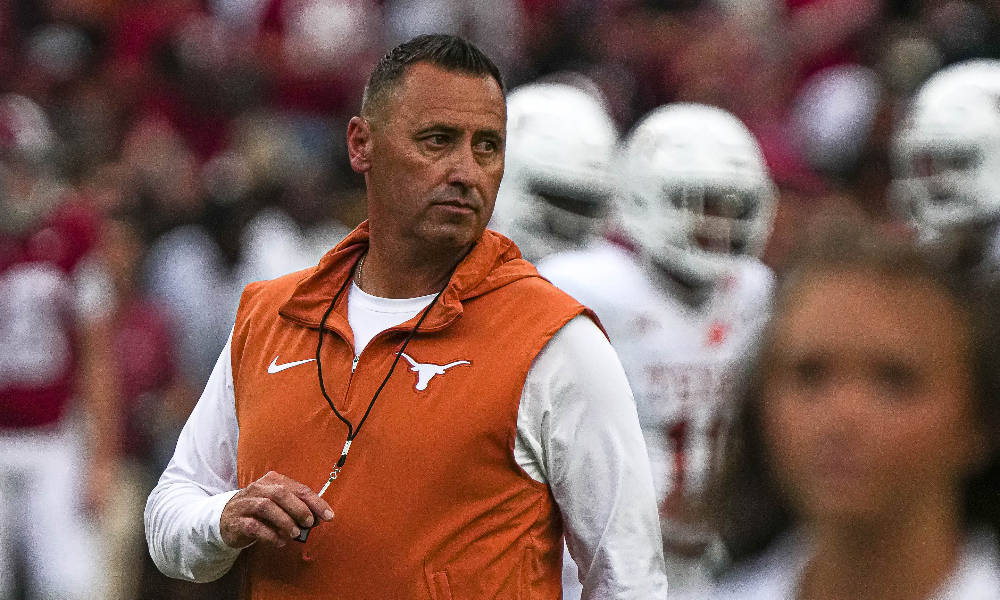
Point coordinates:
[[293, 504], [257, 531], [317, 505], [266, 510], [296, 499]]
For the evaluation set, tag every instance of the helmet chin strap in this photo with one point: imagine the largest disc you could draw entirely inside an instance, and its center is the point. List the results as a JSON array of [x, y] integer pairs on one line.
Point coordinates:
[[566, 227], [691, 288]]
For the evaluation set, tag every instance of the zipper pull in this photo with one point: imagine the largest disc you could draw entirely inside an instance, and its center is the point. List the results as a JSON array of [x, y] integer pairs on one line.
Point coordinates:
[[354, 365]]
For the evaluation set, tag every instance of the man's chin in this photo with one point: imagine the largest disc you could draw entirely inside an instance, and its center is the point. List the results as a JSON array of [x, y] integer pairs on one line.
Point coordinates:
[[449, 237]]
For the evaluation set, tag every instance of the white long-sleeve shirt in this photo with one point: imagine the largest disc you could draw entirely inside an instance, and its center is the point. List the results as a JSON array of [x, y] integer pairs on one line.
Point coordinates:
[[577, 431]]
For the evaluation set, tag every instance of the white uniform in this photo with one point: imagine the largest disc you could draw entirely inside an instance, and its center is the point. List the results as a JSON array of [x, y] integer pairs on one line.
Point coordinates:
[[776, 574], [680, 362]]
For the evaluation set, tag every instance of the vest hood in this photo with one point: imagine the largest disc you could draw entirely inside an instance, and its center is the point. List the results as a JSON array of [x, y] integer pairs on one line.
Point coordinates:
[[494, 262]]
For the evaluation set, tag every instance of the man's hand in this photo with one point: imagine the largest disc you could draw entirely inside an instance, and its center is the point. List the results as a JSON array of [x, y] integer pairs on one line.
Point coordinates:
[[271, 510]]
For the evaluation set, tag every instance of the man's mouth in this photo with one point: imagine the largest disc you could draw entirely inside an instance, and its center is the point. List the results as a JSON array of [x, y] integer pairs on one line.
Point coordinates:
[[457, 204]]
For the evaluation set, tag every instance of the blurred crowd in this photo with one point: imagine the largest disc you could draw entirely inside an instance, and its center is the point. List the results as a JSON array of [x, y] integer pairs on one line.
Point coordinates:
[[158, 155]]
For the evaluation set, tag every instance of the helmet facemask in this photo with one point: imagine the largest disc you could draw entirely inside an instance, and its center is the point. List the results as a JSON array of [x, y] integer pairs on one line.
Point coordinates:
[[704, 230], [569, 215], [951, 184]]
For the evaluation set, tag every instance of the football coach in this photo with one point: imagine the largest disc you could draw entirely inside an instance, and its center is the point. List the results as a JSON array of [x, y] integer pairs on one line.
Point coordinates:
[[454, 410]]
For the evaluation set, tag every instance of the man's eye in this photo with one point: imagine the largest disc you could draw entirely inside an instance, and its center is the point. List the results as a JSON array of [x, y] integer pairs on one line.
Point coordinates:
[[438, 139], [486, 147]]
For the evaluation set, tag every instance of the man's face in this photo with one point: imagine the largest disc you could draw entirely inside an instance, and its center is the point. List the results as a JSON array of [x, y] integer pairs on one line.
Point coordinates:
[[436, 156]]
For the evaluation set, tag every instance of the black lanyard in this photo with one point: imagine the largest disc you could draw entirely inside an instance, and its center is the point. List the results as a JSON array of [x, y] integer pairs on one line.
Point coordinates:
[[352, 433]]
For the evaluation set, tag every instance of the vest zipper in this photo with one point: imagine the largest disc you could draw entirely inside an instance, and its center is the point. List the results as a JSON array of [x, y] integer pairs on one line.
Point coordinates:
[[384, 332], [357, 357]]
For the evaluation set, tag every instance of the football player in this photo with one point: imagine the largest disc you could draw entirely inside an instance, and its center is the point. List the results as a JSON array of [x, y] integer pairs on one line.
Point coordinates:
[[947, 153], [682, 300], [557, 180]]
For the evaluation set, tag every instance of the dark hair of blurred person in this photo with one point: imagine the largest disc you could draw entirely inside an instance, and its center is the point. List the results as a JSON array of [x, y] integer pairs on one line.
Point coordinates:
[[859, 463]]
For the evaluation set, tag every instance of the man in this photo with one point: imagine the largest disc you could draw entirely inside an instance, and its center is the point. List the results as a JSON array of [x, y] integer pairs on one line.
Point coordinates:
[[682, 302], [558, 180], [947, 154], [459, 408]]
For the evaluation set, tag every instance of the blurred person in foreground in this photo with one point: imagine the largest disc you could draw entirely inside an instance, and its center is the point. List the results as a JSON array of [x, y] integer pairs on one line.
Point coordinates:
[[59, 423], [558, 182], [947, 157], [681, 300], [508, 417], [863, 462]]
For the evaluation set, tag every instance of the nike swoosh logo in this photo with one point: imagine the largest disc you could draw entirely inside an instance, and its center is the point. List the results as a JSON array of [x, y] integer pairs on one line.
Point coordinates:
[[274, 367]]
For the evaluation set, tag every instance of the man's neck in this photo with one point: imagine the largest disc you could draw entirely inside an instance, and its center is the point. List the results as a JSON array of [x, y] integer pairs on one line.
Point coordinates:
[[906, 560], [395, 271]]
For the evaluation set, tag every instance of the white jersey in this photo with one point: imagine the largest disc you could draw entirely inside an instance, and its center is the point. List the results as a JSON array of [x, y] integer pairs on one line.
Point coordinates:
[[679, 360], [776, 574], [680, 363]]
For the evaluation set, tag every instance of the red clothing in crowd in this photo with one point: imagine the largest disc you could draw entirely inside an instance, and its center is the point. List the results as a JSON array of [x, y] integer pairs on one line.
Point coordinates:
[[38, 315]]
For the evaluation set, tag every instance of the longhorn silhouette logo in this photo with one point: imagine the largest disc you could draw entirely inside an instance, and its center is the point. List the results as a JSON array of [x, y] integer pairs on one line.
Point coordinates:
[[426, 372]]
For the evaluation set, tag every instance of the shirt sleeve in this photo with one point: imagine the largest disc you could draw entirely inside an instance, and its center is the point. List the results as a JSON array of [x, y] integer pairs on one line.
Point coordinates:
[[578, 431], [184, 509]]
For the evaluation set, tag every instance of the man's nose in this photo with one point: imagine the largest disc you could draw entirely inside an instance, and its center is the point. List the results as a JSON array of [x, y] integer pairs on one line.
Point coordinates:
[[464, 171]]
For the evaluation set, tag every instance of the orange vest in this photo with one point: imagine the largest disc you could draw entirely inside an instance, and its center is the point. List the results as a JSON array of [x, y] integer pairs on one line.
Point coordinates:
[[431, 502]]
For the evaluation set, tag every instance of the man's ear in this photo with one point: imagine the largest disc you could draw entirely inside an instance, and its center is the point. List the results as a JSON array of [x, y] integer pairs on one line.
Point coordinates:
[[359, 144]]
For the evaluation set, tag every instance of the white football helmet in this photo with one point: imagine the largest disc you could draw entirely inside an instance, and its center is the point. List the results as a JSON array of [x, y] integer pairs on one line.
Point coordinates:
[[696, 194], [947, 151], [558, 179]]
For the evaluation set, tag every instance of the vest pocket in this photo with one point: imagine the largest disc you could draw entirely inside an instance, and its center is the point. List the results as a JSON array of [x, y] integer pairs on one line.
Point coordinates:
[[440, 589]]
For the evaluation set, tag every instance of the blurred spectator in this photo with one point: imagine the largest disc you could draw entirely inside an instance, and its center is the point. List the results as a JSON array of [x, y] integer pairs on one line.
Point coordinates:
[[155, 403], [275, 245], [187, 271], [287, 161], [829, 33], [315, 52], [495, 26], [861, 462], [187, 268], [59, 411]]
